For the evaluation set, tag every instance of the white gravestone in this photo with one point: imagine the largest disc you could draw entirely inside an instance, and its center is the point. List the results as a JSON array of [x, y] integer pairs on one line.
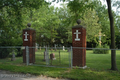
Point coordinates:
[[77, 33], [36, 47], [63, 48], [26, 36]]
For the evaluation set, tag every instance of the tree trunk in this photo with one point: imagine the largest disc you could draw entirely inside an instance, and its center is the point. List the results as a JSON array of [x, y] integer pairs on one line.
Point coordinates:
[[113, 52]]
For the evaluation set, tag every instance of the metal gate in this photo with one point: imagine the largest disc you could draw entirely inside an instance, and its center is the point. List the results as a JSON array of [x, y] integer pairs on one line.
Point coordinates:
[[51, 56]]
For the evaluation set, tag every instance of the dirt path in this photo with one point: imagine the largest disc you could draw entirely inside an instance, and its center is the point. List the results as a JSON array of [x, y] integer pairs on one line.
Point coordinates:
[[6, 75]]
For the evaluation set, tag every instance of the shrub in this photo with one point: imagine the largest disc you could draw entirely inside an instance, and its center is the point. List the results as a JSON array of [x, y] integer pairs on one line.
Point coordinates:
[[4, 52], [19, 52], [102, 50]]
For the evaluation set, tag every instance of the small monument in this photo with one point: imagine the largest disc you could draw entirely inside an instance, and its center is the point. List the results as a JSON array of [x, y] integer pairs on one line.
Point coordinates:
[[79, 45], [36, 46], [63, 48], [100, 35], [13, 57], [45, 55], [52, 56]]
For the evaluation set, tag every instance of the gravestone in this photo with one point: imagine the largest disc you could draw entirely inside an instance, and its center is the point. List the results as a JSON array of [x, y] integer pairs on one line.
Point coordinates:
[[29, 40], [13, 57], [45, 55], [79, 45], [52, 56], [100, 35], [63, 48], [36, 46], [40, 48], [68, 50]]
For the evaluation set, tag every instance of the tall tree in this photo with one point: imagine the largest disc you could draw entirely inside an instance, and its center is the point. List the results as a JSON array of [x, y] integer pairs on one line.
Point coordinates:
[[113, 52], [45, 21], [102, 13], [90, 21], [11, 21]]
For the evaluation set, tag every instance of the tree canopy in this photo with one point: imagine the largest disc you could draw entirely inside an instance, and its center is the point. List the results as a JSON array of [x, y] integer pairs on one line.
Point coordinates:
[[54, 25]]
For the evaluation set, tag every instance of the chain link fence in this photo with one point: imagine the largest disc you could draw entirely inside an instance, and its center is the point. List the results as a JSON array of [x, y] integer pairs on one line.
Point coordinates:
[[52, 57], [96, 58]]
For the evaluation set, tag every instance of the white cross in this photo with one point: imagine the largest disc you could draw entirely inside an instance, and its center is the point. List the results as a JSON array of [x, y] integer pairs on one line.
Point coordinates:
[[26, 36], [77, 39]]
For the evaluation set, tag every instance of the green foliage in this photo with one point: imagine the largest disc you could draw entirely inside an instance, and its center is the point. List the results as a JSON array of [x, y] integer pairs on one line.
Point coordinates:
[[103, 21], [90, 21], [68, 19], [101, 49], [4, 52], [12, 20], [19, 52], [78, 7], [54, 23], [45, 21], [64, 28]]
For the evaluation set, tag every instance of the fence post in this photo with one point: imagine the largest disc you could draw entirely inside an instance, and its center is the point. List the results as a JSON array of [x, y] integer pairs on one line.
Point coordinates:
[[47, 56], [27, 55], [71, 57]]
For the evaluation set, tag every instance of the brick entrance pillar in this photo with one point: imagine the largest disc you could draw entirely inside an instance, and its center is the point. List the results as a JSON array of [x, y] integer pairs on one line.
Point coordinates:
[[29, 40], [79, 45]]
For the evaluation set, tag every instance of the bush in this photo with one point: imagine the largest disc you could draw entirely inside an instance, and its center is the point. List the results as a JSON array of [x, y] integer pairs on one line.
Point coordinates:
[[101, 51], [4, 52], [19, 52]]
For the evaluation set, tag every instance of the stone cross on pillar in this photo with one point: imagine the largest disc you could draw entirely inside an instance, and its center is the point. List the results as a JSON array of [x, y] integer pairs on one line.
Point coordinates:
[[79, 45], [77, 39], [26, 36]]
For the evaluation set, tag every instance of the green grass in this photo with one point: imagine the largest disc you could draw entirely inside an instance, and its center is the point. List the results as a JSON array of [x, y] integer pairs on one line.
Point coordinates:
[[98, 67], [62, 58], [101, 61]]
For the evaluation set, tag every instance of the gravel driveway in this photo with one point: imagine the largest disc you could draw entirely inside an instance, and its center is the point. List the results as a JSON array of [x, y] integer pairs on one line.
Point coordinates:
[[6, 75]]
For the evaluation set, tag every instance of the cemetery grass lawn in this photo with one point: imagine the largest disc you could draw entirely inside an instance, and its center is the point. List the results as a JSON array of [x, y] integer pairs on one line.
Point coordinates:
[[98, 65]]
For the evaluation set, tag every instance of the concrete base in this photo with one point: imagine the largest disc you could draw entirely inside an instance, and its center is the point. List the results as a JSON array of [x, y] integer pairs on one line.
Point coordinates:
[[54, 59], [80, 67], [30, 63]]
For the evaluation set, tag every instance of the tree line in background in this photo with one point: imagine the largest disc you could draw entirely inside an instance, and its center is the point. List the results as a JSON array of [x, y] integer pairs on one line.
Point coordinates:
[[54, 25]]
